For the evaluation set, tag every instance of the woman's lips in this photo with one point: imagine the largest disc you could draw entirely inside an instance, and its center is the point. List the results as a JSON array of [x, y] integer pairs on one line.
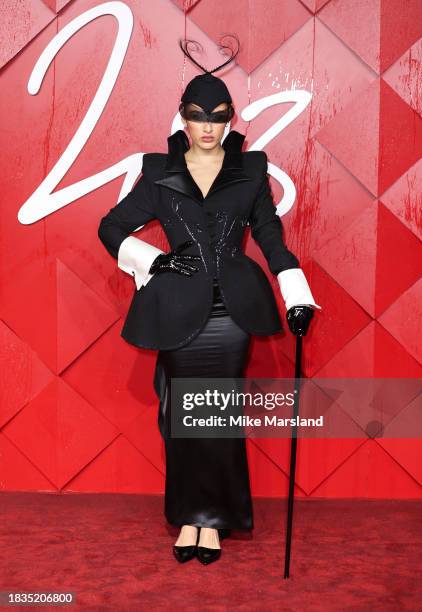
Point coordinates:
[[207, 138]]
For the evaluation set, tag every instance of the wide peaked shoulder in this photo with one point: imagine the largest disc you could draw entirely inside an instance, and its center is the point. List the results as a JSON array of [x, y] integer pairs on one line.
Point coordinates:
[[153, 164], [255, 162]]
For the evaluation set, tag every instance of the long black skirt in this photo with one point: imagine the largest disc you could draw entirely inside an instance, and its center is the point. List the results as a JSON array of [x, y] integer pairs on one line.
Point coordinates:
[[207, 479]]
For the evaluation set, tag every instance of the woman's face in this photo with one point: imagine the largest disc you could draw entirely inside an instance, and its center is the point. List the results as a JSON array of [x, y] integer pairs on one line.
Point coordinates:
[[205, 134]]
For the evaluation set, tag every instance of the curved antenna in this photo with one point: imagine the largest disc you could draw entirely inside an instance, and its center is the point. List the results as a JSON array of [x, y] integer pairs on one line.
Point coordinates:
[[184, 46], [233, 54]]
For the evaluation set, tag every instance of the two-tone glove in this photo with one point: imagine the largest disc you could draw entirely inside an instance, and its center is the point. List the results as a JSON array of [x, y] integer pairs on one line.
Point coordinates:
[[175, 262]]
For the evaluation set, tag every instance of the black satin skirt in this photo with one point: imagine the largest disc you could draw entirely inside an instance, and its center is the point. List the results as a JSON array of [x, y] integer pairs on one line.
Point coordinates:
[[207, 479]]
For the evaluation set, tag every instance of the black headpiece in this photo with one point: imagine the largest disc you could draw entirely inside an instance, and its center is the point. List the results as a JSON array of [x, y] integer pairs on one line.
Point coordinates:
[[206, 90]]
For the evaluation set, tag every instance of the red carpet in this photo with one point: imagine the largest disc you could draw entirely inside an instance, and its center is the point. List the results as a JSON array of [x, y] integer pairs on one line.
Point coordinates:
[[114, 552]]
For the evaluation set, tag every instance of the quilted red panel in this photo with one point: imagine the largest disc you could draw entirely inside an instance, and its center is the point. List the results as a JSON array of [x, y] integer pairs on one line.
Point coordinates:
[[78, 411]]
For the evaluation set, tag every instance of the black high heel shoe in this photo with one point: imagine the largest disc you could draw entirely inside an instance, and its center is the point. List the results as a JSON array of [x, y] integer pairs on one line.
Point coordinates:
[[186, 553], [208, 555]]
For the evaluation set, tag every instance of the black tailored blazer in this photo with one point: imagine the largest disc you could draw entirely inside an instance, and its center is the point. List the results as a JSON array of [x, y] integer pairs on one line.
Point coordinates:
[[171, 309]]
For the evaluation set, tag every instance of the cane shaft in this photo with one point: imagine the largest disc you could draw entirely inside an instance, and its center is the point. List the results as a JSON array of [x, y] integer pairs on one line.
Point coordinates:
[[293, 453]]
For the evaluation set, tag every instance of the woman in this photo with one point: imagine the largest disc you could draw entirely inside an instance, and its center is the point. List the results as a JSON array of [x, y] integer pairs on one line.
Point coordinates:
[[200, 303]]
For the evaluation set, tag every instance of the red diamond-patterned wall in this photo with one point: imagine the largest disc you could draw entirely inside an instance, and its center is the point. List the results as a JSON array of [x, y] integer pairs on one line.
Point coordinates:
[[78, 410]]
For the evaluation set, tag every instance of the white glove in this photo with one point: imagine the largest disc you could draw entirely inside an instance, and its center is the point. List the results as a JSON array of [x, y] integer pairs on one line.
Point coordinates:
[[135, 257], [295, 289]]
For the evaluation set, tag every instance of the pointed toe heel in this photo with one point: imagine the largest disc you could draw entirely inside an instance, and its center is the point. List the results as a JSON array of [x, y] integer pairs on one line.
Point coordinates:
[[184, 553], [208, 555]]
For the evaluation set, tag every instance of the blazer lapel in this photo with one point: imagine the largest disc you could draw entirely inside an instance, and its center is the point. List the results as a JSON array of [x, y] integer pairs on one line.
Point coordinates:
[[180, 179]]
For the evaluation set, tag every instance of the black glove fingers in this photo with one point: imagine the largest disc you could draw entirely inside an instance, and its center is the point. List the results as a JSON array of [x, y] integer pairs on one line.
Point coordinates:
[[188, 256], [175, 261], [184, 266], [179, 269]]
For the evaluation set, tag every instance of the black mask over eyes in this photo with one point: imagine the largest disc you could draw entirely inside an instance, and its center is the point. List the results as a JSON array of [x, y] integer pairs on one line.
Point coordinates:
[[197, 115]]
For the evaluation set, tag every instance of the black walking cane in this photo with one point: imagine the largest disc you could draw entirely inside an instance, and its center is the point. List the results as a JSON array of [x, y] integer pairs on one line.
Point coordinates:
[[293, 449]]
